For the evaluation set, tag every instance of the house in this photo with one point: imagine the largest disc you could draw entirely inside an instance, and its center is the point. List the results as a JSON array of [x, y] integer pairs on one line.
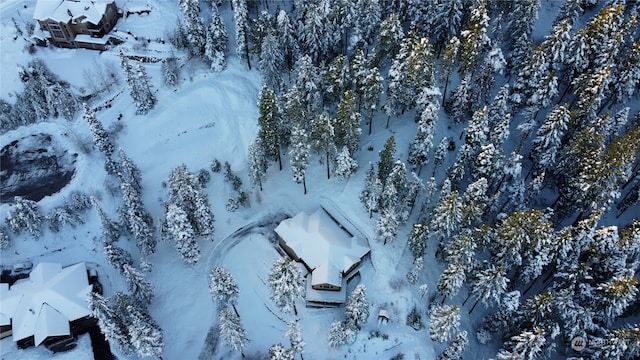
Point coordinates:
[[76, 23], [50, 307], [328, 251]]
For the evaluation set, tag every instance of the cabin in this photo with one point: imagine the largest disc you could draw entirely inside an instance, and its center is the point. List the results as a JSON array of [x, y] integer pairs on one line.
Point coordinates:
[[327, 250], [50, 307], [76, 23]]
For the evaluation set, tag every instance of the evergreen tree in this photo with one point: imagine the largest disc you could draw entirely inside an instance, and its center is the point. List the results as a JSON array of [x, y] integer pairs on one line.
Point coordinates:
[[138, 219], [370, 195], [241, 21], [286, 282], [308, 82], [522, 16], [447, 21], [170, 71], [357, 307], [278, 352], [527, 345], [423, 141], [347, 124], [323, 137], [616, 295], [144, 333], [367, 19], [287, 38], [474, 37], [385, 163], [391, 35], [117, 256], [387, 225], [490, 285], [101, 137], [111, 325], [627, 75], [452, 279], [336, 335], [216, 41], [129, 171], [231, 330], [447, 215], [455, 350], [464, 100], [345, 164], [223, 286], [444, 321], [140, 288], [548, 140], [417, 240], [195, 30], [269, 120], [271, 58], [257, 162], [591, 90], [299, 154], [295, 338], [337, 78], [182, 233], [5, 241], [449, 59], [621, 343], [186, 192], [371, 90], [440, 154], [25, 215]]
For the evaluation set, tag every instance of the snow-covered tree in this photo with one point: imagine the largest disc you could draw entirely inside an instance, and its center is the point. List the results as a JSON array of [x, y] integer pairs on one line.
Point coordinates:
[[370, 195], [138, 220], [5, 241], [182, 233], [371, 90], [528, 345], [616, 295], [223, 286], [287, 38], [145, 334], [444, 321], [474, 37], [231, 330], [548, 140], [347, 123], [278, 352], [195, 30], [138, 84], [387, 225], [386, 161], [241, 21], [101, 137], [455, 350], [216, 41], [116, 256], [129, 172], [337, 78], [286, 283], [490, 284], [294, 333], [447, 215], [323, 138], [299, 154], [440, 154], [271, 61], [336, 335], [391, 35], [138, 285], [257, 162], [308, 81], [170, 71], [417, 240], [186, 192], [345, 164], [357, 307], [269, 120], [452, 279], [423, 141], [25, 215], [447, 21], [110, 323]]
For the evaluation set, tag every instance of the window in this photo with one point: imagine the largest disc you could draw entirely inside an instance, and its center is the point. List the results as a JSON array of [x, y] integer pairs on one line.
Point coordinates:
[[56, 31]]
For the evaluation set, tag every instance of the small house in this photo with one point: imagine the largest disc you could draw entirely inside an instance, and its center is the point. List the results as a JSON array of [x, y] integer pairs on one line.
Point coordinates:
[[327, 249], [76, 23], [47, 307]]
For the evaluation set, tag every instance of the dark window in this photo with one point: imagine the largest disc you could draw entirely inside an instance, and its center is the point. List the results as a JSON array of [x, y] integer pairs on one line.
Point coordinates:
[[56, 31]]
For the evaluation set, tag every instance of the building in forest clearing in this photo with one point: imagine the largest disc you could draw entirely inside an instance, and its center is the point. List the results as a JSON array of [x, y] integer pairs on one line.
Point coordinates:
[[76, 23], [50, 307], [328, 251]]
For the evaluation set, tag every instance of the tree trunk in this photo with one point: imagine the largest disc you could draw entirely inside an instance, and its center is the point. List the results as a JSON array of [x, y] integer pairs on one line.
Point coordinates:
[[474, 306], [246, 49], [304, 184], [370, 122], [388, 117], [467, 299], [236, 310], [279, 159], [295, 310], [444, 93], [328, 173]]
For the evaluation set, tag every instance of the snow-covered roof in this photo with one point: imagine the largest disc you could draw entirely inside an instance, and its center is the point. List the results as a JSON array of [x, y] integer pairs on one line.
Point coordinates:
[[71, 10], [324, 245], [324, 296], [45, 303]]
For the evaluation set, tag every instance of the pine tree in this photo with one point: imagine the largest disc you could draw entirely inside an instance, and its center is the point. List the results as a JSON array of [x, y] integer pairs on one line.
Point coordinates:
[[269, 120], [423, 141], [231, 330], [387, 225], [464, 100], [271, 58], [257, 162], [299, 154], [391, 35], [286, 282], [336, 335], [447, 21], [621, 343], [591, 90], [627, 75], [370, 195], [323, 137], [129, 171], [308, 82], [278, 352], [417, 240], [547, 143], [474, 37], [139, 221], [195, 30], [116, 256], [5, 241], [25, 215], [522, 17], [337, 78], [440, 154], [138, 285], [223, 286], [295, 338], [385, 163], [287, 38], [216, 41], [527, 345], [444, 321], [490, 285], [455, 350], [145, 334], [345, 164], [367, 19], [182, 233], [371, 91], [186, 192], [111, 325], [452, 279], [170, 71], [347, 124], [447, 215], [101, 137], [240, 19], [616, 295], [449, 59], [357, 307]]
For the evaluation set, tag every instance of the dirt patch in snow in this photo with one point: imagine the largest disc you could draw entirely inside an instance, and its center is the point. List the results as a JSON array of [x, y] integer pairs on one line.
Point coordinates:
[[33, 167]]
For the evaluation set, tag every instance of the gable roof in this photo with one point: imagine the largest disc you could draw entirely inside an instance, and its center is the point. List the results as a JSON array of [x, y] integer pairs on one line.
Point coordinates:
[[45, 303], [71, 10], [324, 245]]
